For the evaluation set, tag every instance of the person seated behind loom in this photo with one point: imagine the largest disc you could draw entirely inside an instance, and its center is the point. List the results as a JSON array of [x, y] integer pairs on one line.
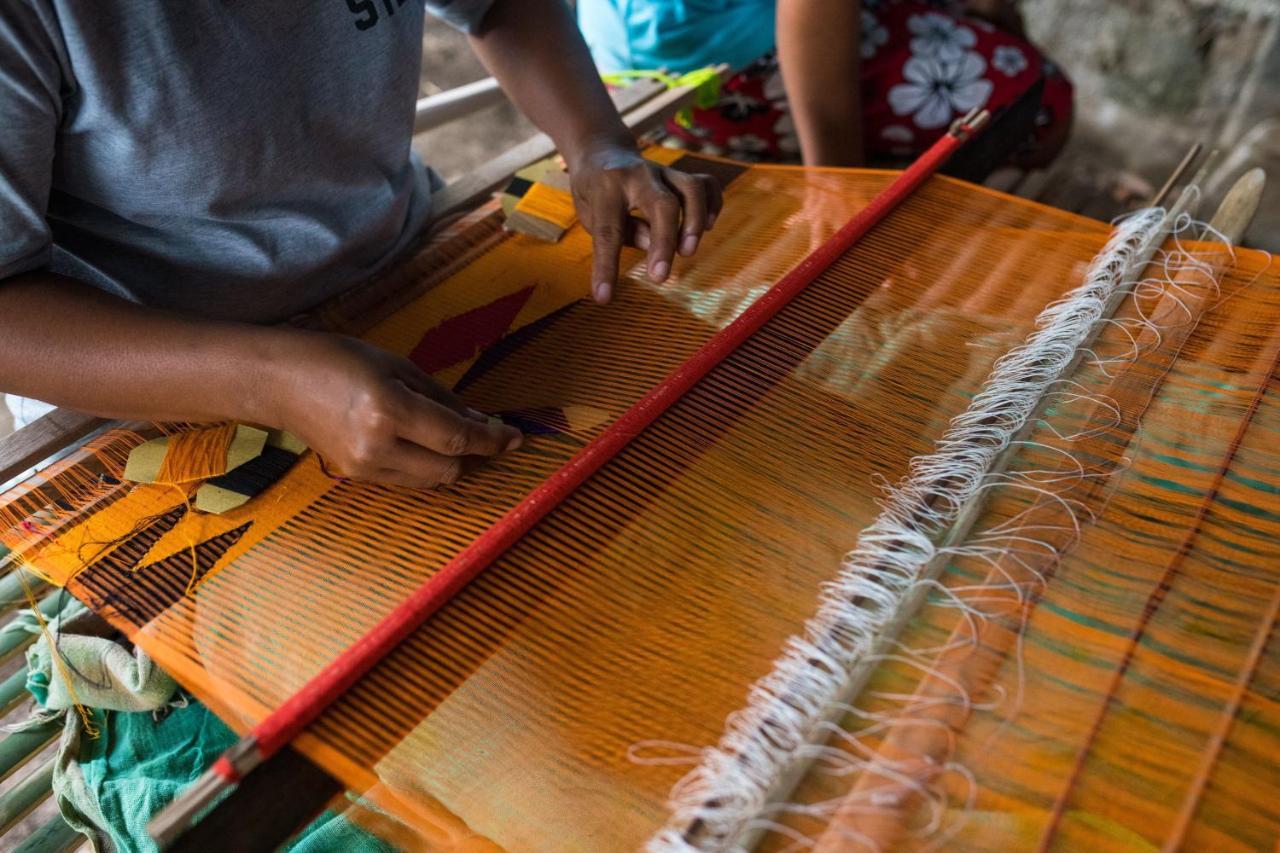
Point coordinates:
[[173, 175], [877, 80]]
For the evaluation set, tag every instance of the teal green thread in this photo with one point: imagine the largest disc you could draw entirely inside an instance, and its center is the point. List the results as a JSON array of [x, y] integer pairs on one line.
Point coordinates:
[[704, 81]]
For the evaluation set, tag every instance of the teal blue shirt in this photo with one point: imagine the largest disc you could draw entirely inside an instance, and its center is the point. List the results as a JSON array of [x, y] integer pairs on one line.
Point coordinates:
[[678, 35]]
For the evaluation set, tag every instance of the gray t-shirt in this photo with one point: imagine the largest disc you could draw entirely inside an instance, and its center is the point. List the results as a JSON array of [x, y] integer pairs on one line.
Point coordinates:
[[243, 159]]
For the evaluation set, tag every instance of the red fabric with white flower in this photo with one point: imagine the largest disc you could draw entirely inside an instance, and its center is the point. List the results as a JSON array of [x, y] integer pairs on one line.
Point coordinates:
[[922, 67]]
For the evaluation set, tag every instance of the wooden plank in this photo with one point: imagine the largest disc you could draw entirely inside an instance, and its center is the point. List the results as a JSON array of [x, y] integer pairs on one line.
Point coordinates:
[[17, 802], [56, 836], [445, 107], [42, 438]]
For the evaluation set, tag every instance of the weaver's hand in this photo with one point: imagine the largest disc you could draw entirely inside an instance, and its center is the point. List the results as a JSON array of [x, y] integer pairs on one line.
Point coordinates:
[[368, 413], [375, 416], [552, 78], [675, 208]]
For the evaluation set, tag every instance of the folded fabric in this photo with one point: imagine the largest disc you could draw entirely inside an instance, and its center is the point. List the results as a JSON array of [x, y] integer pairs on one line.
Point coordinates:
[[148, 744], [95, 673]]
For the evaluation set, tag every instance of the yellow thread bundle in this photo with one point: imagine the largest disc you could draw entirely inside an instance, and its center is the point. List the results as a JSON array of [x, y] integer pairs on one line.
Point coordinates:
[[196, 455], [189, 457]]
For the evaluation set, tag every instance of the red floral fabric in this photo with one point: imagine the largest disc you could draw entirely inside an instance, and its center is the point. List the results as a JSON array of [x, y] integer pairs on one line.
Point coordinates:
[[922, 66]]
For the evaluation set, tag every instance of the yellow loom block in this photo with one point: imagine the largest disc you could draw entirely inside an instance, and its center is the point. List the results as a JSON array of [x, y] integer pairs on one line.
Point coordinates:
[[284, 440], [546, 211], [532, 174], [663, 155], [247, 445], [217, 500], [146, 459]]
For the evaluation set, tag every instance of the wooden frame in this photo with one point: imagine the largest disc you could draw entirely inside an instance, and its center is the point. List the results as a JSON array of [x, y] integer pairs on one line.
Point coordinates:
[[42, 438]]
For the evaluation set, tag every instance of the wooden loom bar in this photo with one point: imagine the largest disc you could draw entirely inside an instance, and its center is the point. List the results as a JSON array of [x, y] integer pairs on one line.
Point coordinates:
[[289, 720], [437, 110], [43, 438]]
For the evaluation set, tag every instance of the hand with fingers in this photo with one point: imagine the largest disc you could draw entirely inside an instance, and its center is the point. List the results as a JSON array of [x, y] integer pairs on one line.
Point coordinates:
[[625, 200], [372, 415]]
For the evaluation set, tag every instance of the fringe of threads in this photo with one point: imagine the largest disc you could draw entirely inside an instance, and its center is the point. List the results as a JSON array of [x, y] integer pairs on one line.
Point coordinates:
[[730, 785]]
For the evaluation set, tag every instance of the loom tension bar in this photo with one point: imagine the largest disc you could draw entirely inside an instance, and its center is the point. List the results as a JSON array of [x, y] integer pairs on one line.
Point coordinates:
[[289, 720]]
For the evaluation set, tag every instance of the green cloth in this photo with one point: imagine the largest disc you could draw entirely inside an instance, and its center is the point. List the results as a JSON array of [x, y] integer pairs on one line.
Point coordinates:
[[136, 766], [119, 688], [150, 746], [102, 674], [140, 764], [332, 832]]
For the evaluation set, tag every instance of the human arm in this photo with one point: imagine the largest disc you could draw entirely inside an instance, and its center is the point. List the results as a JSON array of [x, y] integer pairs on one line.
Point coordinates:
[[819, 54], [370, 414], [535, 51]]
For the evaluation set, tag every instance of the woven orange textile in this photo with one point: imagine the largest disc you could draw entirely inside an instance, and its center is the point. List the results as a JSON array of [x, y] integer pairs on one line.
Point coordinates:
[[551, 704]]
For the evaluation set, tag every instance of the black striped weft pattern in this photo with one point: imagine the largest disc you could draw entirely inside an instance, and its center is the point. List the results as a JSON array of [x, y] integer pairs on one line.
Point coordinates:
[[258, 474], [139, 593]]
